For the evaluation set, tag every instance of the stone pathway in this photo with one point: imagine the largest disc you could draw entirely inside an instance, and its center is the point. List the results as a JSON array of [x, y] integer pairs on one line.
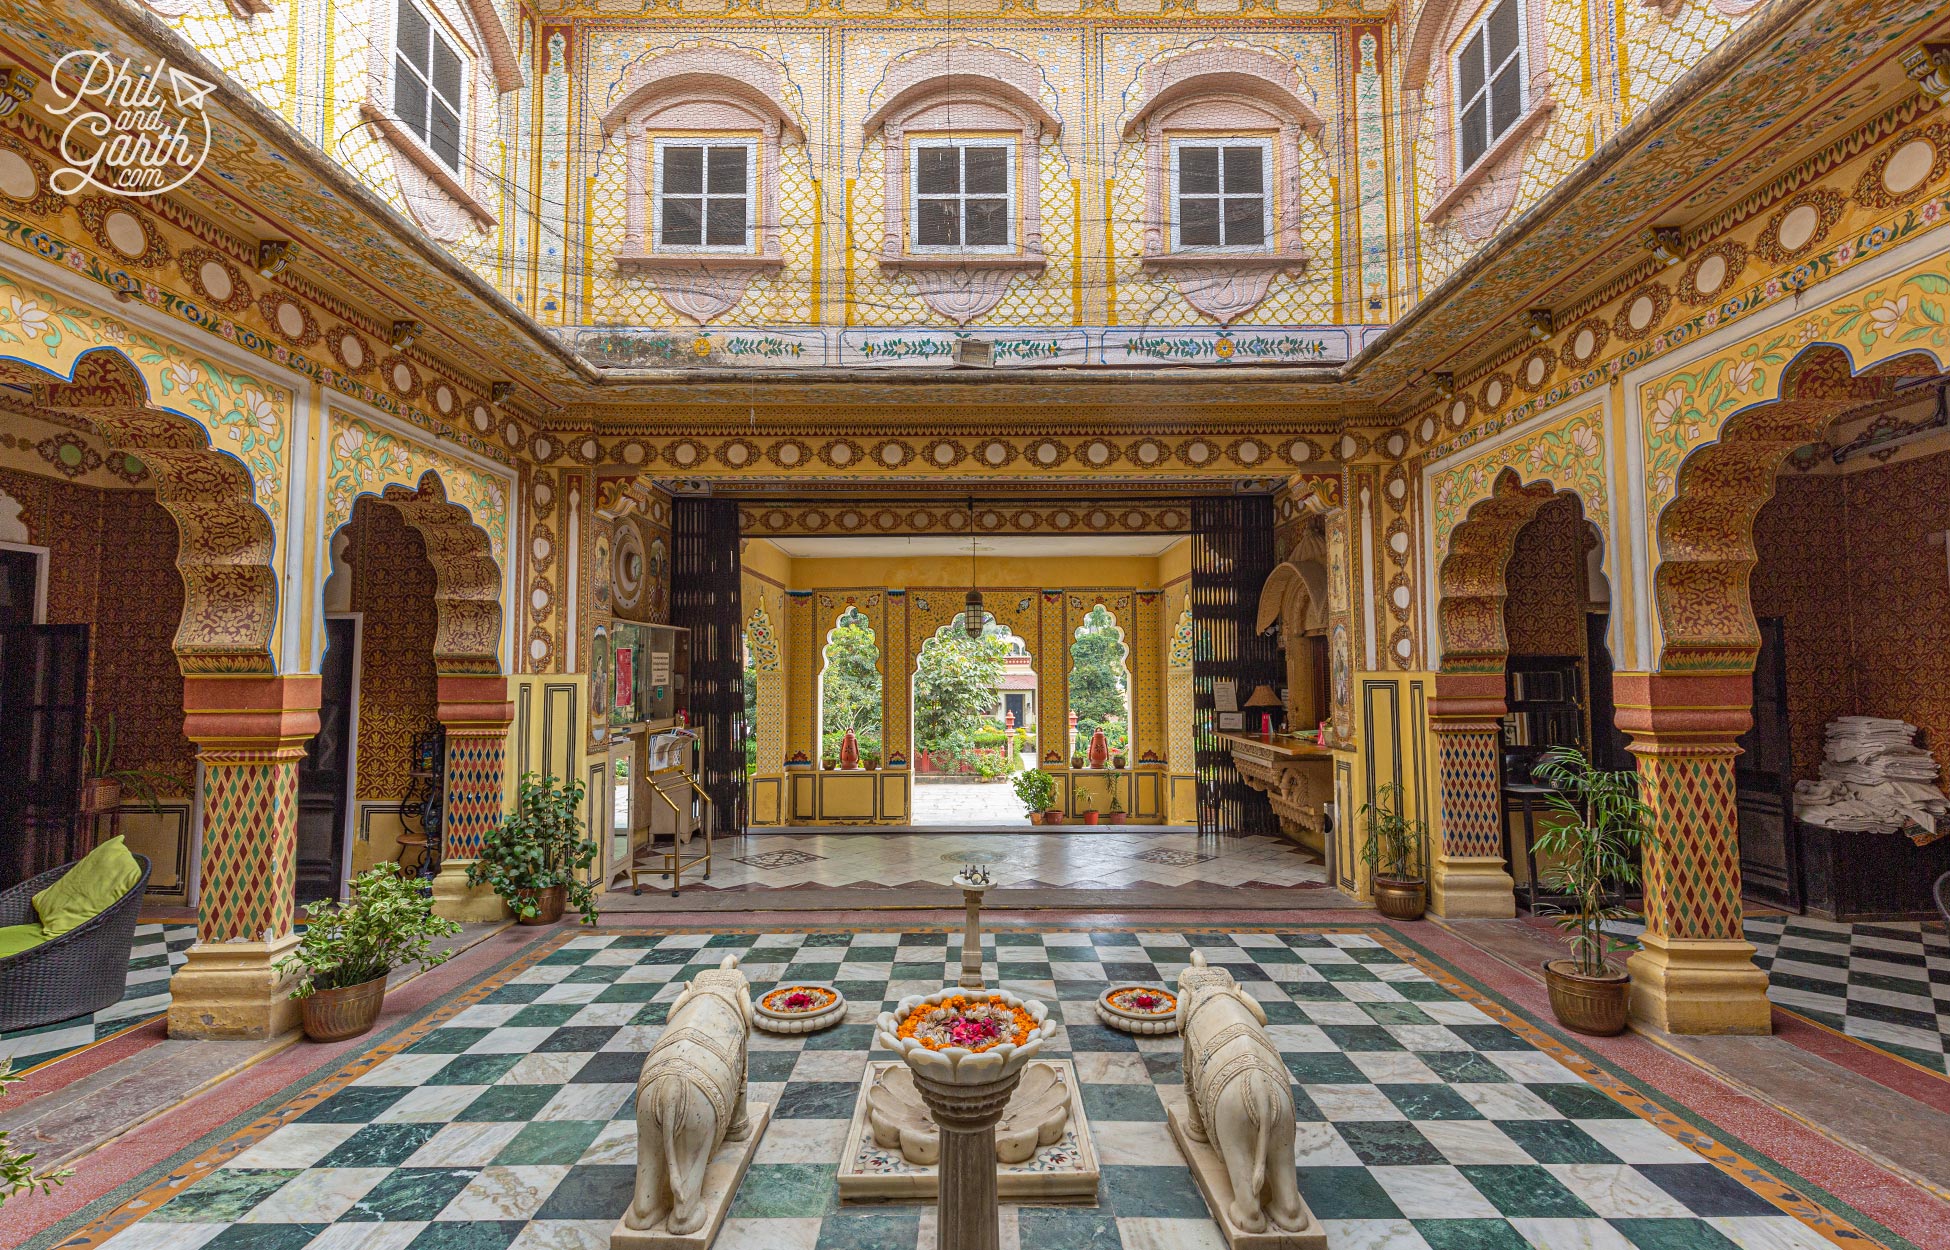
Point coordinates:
[[971, 804]]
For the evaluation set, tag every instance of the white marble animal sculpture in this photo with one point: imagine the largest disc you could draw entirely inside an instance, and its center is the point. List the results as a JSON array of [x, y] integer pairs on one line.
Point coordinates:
[[1239, 1098], [690, 1099]]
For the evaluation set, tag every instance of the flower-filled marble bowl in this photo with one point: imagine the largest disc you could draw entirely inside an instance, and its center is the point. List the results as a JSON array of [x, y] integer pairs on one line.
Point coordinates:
[[965, 1037], [800, 1007], [1144, 1009]]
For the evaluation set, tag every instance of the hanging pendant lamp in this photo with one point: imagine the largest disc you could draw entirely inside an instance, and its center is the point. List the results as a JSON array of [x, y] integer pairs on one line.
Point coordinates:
[[973, 619]]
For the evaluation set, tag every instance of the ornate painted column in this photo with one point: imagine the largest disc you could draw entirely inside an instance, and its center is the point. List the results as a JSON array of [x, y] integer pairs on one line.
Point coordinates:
[[475, 711], [1468, 878], [250, 733], [1695, 973]]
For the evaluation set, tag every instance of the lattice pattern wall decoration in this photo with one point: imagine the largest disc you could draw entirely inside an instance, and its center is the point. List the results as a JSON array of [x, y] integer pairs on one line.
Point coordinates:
[[1468, 764], [1692, 874], [250, 844], [475, 762]]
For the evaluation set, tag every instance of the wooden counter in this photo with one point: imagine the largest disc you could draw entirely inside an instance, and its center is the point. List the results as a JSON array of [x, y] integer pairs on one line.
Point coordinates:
[[1296, 775]]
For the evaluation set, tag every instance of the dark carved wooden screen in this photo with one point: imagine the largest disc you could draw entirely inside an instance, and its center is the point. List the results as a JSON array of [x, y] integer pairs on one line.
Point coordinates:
[[1232, 555], [704, 600]]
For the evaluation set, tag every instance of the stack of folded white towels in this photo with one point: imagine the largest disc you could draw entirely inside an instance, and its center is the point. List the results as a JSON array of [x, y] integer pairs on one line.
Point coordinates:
[[1875, 779]]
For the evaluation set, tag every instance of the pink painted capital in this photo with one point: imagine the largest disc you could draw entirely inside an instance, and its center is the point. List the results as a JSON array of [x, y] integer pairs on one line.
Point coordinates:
[[1670, 708], [221, 710]]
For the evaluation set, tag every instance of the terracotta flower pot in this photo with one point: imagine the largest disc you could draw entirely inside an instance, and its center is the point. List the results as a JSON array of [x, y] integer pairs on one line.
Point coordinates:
[[550, 902], [1400, 898], [1090, 818], [334, 1015], [1593, 1005], [1116, 818], [1052, 816]]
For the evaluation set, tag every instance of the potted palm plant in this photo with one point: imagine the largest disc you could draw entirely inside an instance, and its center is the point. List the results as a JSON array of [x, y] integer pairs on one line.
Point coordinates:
[[348, 948], [1116, 814], [1037, 790], [535, 858], [1393, 854], [1601, 826], [103, 783], [1088, 807]]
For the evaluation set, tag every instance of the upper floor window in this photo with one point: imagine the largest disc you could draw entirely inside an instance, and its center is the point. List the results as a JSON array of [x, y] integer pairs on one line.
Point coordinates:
[[1490, 81], [427, 78], [703, 195], [964, 193], [1220, 194]]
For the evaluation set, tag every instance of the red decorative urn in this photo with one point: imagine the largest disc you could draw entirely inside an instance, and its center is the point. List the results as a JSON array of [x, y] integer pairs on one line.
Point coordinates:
[[849, 751], [1099, 754]]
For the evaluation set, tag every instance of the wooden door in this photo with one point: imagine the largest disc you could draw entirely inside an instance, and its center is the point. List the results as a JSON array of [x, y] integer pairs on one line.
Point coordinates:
[[43, 719], [1763, 776], [326, 769]]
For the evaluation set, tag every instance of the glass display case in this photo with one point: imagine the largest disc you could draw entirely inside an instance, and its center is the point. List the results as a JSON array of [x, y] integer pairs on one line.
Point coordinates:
[[651, 667]]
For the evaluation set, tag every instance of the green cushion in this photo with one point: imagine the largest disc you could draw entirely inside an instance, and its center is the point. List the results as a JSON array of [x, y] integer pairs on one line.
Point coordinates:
[[89, 888], [16, 938]]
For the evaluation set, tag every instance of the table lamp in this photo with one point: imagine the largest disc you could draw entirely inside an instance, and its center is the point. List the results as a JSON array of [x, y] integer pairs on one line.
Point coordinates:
[[1263, 698]]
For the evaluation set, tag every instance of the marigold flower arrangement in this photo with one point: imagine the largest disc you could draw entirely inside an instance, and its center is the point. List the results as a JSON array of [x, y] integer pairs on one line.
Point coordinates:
[[1141, 1000], [798, 999], [971, 1024]]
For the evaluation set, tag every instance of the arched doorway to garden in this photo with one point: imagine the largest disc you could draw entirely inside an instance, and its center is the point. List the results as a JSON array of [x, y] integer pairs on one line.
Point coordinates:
[[975, 712], [850, 694], [1100, 692]]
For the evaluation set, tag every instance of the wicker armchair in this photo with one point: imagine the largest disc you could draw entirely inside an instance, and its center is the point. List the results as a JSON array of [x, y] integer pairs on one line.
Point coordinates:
[[82, 971]]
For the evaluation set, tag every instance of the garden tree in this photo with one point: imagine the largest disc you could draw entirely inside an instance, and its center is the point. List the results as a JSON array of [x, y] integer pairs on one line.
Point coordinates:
[[751, 709], [954, 685], [1098, 681], [849, 689]]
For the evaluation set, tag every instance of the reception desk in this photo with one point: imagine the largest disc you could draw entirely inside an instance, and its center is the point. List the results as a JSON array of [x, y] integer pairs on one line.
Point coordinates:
[[1296, 774]]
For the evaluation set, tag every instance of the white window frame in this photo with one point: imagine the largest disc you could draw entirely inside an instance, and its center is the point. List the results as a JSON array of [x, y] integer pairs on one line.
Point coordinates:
[[436, 29], [1009, 144], [1520, 56], [1268, 182], [753, 198]]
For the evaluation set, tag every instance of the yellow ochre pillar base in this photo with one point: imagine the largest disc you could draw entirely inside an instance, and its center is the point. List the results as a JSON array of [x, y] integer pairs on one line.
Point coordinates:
[[456, 900], [1471, 888], [1692, 985], [229, 991]]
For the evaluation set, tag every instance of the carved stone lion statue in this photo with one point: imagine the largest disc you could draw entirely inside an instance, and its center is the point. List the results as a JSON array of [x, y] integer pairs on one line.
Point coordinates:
[[1239, 1097], [690, 1099]]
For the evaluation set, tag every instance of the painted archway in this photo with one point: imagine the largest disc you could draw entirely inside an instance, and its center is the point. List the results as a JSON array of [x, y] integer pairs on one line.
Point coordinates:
[[227, 544], [1705, 535]]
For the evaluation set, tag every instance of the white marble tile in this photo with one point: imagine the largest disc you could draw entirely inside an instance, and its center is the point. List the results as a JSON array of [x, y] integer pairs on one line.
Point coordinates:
[[1615, 1191], [1433, 1191], [316, 1196], [776, 1234], [1136, 1143], [297, 1145], [430, 1102], [1464, 1142], [470, 1144], [1571, 1234], [504, 1193], [1146, 1233], [1635, 1141]]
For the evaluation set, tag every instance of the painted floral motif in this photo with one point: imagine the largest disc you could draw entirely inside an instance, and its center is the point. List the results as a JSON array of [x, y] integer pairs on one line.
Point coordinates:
[[1690, 408], [1570, 454], [366, 459], [244, 416]]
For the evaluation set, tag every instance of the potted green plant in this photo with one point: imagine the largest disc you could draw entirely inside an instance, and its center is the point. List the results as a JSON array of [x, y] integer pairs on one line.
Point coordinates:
[[1087, 808], [103, 783], [1593, 844], [536, 856], [1116, 814], [1117, 760], [348, 948], [1037, 790], [1393, 854]]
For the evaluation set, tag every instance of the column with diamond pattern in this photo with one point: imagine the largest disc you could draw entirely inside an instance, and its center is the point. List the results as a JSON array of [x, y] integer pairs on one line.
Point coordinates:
[[1695, 973], [250, 733], [475, 711], [1469, 877]]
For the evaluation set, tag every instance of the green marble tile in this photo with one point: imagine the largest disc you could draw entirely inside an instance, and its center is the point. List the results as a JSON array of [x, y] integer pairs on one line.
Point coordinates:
[[787, 1191], [1123, 1102], [1471, 1235], [1522, 1190], [381, 1145], [866, 1228], [410, 1194], [1430, 1102], [474, 1070], [1673, 1235], [1346, 1194], [224, 1196], [550, 1141], [1153, 1192], [1556, 1141]]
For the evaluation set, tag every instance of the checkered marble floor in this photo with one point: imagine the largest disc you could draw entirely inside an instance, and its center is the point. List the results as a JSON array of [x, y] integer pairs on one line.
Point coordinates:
[[158, 951], [1886, 984], [1076, 861], [1431, 1116]]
